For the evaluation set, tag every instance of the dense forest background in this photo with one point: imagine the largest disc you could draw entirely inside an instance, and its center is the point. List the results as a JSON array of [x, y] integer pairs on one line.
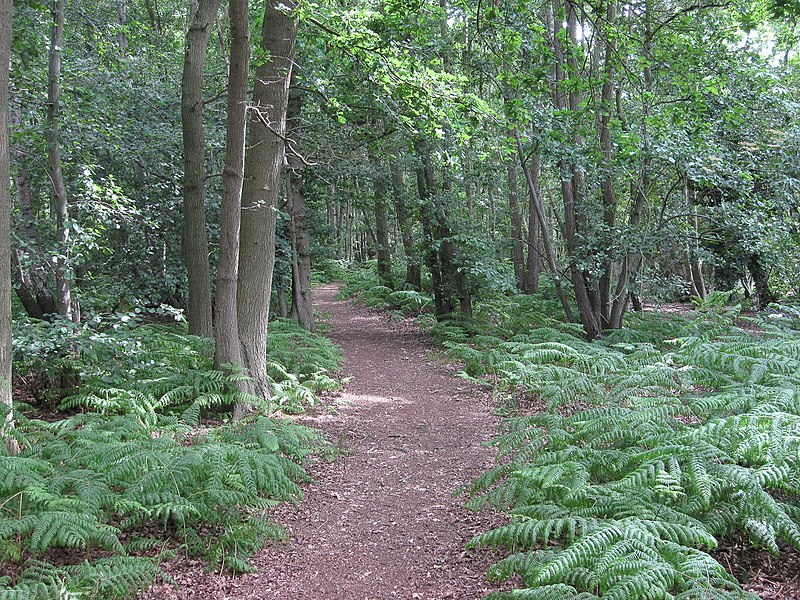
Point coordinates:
[[625, 151], [162, 160]]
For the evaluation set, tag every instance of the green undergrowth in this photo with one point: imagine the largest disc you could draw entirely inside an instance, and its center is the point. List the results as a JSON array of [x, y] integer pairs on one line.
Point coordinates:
[[655, 445], [143, 464], [369, 289], [301, 364]]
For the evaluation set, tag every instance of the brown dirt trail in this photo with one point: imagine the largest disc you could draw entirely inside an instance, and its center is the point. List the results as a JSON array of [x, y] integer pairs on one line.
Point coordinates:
[[380, 522]]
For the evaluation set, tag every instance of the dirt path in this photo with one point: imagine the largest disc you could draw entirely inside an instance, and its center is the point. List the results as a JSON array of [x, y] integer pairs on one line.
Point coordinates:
[[381, 522]]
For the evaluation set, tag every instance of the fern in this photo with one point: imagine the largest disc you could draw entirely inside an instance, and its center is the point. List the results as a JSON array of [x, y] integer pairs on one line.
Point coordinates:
[[135, 457], [686, 431]]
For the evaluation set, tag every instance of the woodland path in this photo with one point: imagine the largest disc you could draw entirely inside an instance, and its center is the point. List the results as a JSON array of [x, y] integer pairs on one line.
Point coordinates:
[[381, 521]]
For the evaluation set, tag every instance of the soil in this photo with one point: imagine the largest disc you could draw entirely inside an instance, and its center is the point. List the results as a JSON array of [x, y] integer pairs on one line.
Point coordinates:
[[381, 521]]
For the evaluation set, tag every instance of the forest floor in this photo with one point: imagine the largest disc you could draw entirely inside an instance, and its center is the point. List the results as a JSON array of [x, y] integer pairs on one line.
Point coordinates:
[[381, 521]]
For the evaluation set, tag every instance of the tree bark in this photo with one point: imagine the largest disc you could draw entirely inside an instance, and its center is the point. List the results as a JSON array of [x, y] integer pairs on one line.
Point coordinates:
[[517, 243], [571, 175], [302, 305], [693, 246], [195, 236], [413, 273], [30, 281], [122, 21], [607, 192], [263, 165], [154, 15], [547, 242], [533, 265], [226, 332], [5, 231], [760, 280], [640, 190], [59, 191], [380, 190], [425, 179]]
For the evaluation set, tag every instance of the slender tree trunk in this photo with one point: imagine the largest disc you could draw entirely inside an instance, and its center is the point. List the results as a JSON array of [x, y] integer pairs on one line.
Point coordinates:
[[571, 175], [517, 243], [5, 231], [155, 17], [424, 174], [283, 308], [195, 236], [413, 273], [381, 191], [226, 331], [693, 246], [122, 21], [493, 223], [547, 242], [533, 266], [59, 191], [371, 239], [263, 165], [607, 192], [302, 305], [640, 190], [223, 47], [760, 280], [349, 240], [30, 280]]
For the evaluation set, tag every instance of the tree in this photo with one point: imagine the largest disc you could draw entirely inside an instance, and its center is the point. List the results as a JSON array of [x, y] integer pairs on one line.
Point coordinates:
[[226, 331], [261, 189], [299, 232], [5, 226], [64, 273], [195, 236]]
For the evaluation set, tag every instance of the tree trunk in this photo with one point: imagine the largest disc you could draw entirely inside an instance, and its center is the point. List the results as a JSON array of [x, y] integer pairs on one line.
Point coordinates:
[[59, 191], [283, 309], [413, 273], [607, 192], [302, 305], [447, 280], [30, 280], [533, 266], [226, 332], [533, 190], [693, 246], [424, 190], [517, 243], [155, 17], [5, 232], [349, 240], [195, 236], [261, 189], [122, 21], [640, 191], [571, 175], [760, 280], [381, 191], [370, 240]]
